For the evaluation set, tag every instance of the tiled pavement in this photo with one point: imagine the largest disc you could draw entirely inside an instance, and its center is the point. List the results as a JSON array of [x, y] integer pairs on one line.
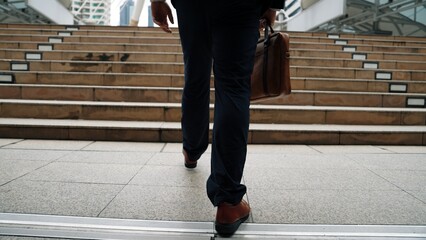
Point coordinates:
[[287, 184]]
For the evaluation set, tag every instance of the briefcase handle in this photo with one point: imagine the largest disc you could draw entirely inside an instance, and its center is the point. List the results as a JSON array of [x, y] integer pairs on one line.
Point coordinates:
[[266, 33]]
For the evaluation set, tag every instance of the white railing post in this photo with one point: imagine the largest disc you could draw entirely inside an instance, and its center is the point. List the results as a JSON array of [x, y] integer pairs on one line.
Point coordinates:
[[134, 21]]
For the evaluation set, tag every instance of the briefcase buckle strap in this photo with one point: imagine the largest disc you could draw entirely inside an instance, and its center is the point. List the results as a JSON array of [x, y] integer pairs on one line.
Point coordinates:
[[265, 56]]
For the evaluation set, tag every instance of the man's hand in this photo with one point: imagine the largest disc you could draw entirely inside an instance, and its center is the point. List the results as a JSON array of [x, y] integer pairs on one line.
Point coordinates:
[[268, 18], [160, 12]]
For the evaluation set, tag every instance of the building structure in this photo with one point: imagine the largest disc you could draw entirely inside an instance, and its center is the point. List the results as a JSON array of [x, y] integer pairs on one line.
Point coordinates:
[[36, 11], [126, 11], [388, 17], [96, 12]]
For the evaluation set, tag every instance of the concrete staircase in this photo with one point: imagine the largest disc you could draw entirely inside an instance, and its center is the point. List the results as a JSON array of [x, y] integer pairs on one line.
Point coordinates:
[[125, 83]]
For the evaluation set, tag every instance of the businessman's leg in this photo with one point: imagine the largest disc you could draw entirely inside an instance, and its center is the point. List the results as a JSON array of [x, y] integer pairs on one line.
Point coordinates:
[[193, 28]]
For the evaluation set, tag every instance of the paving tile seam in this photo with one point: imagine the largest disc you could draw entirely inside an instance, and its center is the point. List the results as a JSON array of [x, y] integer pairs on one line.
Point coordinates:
[[102, 151], [10, 144], [72, 182], [168, 186], [396, 185], [414, 196], [40, 149], [65, 150], [88, 144], [316, 189], [25, 174], [320, 169], [96, 163], [27, 160], [390, 152], [113, 198]]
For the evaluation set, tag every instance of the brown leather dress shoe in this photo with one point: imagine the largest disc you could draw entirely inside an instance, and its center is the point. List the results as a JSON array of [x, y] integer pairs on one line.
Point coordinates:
[[189, 163], [229, 217]]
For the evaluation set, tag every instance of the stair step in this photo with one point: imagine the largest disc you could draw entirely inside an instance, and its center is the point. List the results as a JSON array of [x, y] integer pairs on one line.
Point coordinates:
[[171, 132], [177, 58], [147, 37], [173, 94], [81, 32], [324, 53], [368, 36], [357, 48], [176, 80], [92, 66], [169, 112], [164, 39], [358, 40], [97, 46], [345, 63], [129, 30], [359, 85], [125, 83], [176, 47], [94, 78], [20, 54], [357, 73], [82, 27], [178, 68]]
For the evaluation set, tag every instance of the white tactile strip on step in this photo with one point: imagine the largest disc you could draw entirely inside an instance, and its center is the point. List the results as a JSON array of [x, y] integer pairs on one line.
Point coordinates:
[[333, 36], [341, 42], [19, 66], [64, 34], [383, 76], [416, 102], [398, 87], [33, 56], [56, 39], [45, 47], [72, 28], [370, 65], [32, 225], [349, 49], [359, 56], [6, 78]]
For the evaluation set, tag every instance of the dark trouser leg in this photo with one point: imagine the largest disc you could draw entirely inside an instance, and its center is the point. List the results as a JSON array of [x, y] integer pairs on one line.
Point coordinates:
[[234, 27], [196, 46]]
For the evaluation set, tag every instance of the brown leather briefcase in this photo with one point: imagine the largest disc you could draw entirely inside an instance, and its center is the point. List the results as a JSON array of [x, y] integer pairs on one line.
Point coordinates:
[[271, 72]]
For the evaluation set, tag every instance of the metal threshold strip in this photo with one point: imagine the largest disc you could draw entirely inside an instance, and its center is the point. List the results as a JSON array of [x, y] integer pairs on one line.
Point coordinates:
[[51, 226]]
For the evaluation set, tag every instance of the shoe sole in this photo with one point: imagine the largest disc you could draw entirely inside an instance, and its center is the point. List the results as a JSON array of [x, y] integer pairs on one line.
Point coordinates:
[[190, 165], [227, 230]]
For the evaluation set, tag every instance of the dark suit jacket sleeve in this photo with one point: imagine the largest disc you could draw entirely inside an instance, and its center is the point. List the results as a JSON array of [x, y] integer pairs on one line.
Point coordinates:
[[278, 4]]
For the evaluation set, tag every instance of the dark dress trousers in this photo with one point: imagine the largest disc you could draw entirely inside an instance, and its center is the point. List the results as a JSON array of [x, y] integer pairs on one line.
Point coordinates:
[[221, 34]]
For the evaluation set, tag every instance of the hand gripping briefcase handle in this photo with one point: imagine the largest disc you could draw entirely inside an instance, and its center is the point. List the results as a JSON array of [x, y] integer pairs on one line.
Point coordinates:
[[271, 72]]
